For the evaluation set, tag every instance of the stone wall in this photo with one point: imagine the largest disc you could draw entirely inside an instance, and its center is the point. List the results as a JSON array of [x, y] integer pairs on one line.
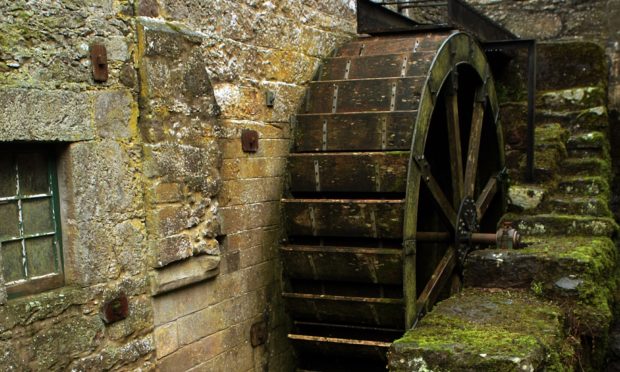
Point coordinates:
[[47, 94], [550, 20], [158, 201], [249, 48]]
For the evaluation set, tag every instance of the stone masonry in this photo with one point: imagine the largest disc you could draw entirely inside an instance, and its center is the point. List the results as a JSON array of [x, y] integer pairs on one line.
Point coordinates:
[[158, 202]]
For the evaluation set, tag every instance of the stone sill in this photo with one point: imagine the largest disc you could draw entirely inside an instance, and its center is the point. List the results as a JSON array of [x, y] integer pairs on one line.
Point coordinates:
[[181, 274]]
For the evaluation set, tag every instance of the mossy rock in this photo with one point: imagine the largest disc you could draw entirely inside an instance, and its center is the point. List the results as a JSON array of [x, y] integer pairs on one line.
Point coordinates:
[[550, 134], [563, 225], [572, 99], [597, 206], [584, 186], [593, 118], [481, 330], [589, 140], [589, 166], [577, 268], [569, 64]]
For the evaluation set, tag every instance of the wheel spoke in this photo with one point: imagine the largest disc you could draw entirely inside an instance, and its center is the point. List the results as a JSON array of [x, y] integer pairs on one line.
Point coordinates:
[[474, 142], [438, 194], [441, 275], [485, 197], [454, 144]]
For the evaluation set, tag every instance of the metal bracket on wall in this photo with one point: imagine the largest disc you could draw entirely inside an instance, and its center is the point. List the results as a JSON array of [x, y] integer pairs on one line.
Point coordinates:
[[249, 140], [99, 62]]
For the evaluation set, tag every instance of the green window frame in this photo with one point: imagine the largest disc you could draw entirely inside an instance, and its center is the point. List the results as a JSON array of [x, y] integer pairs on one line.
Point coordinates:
[[30, 234]]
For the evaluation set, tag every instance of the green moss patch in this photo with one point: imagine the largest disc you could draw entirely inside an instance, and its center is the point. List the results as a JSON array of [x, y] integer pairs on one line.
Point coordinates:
[[482, 330]]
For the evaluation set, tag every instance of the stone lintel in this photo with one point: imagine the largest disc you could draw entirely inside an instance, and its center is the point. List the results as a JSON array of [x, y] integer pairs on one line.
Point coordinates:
[[45, 115], [184, 273]]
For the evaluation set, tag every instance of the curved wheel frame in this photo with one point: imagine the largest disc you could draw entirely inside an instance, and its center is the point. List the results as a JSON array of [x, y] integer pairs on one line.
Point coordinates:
[[459, 52]]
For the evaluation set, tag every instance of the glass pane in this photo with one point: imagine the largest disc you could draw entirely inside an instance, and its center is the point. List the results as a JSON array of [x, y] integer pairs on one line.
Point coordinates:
[[40, 256], [12, 261], [8, 184], [37, 216], [33, 178], [9, 221]]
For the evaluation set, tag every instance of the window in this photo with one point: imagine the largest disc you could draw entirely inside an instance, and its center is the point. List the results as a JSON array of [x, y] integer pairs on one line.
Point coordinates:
[[29, 220]]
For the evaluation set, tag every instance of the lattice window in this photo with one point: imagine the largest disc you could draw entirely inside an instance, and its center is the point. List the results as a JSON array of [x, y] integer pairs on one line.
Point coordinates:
[[29, 221]]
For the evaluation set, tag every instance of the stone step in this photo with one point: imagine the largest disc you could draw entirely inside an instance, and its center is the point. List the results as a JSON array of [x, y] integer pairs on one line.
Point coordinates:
[[562, 225], [594, 140], [547, 161], [486, 330], [575, 120], [586, 166], [554, 267], [584, 186], [577, 272], [572, 99], [597, 206]]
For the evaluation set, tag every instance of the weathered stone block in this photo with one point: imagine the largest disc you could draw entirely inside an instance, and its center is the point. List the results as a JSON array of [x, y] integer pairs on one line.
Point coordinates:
[[118, 356], [181, 274], [56, 346], [167, 192], [196, 166], [168, 220], [173, 305], [202, 323], [247, 191], [116, 114], [170, 249], [102, 176], [273, 130], [245, 217], [485, 331], [166, 339], [25, 115], [238, 168], [194, 354], [92, 255], [248, 102]]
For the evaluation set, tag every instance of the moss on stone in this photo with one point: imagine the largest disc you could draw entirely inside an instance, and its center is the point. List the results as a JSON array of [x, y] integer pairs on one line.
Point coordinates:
[[487, 331]]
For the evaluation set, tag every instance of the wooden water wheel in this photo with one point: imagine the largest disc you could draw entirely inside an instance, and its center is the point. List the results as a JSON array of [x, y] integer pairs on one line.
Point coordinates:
[[397, 151]]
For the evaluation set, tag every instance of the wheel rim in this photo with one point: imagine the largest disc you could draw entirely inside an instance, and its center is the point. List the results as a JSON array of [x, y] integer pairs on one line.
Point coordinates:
[[456, 151]]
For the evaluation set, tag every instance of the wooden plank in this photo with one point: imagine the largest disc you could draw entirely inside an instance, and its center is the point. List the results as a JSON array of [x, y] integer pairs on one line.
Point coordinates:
[[348, 331], [351, 132], [344, 217], [319, 97], [438, 280], [352, 264], [367, 95], [354, 172], [454, 143], [485, 197], [380, 66], [333, 69], [376, 311], [391, 45], [474, 144]]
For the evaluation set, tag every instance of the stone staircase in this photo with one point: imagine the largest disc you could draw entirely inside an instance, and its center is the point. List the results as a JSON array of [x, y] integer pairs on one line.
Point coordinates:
[[547, 306]]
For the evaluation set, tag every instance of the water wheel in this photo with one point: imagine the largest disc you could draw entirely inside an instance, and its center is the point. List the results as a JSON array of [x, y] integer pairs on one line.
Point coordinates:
[[396, 154]]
